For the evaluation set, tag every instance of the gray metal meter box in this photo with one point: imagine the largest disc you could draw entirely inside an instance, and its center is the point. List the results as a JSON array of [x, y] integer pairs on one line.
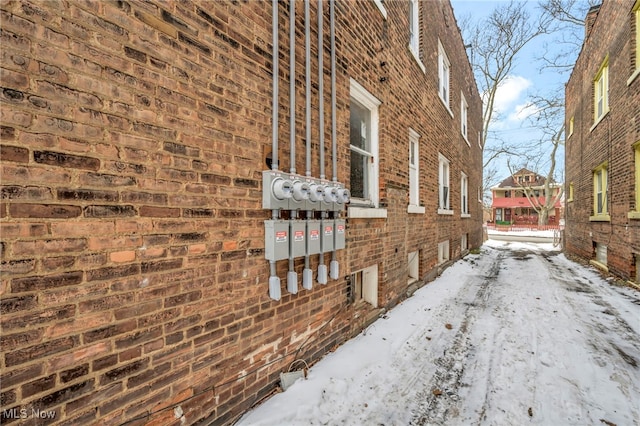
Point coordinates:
[[327, 235], [276, 239], [340, 232], [277, 190], [313, 236], [298, 232]]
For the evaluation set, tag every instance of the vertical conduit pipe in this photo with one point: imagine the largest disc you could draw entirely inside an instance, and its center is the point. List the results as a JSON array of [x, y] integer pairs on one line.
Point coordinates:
[[307, 274], [322, 268], [334, 267], [292, 276], [274, 280]]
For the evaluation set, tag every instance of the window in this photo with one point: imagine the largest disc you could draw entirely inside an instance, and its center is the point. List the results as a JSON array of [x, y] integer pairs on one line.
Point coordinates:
[[636, 149], [443, 252], [413, 267], [600, 211], [444, 71], [443, 186], [463, 117], [464, 196], [601, 91], [570, 192], [414, 27], [570, 127], [600, 253], [464, 242], [414, 173], [498, 215], [363, 286], [363, 138]]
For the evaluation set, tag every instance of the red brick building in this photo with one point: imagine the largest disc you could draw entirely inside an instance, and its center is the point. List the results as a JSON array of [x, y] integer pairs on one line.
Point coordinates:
[[603, 142], [145, 240]]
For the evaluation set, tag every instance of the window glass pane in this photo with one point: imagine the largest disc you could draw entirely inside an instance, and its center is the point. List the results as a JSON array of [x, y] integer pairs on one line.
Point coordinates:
[[360, 127], [358, 175]]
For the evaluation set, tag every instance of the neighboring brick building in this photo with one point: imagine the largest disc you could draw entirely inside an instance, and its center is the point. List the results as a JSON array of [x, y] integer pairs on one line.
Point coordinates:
[[603, 142], [509, 203], [134, 139]]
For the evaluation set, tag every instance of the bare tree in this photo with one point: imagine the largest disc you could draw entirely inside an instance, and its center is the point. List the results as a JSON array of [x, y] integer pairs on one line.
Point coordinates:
[[495, 43]]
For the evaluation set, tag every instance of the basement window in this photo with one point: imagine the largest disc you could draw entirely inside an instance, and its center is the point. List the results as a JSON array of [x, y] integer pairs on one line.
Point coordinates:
[[364, 286], [413, 267], [464, 242], [443, 252], [600, 253], [635, 214]]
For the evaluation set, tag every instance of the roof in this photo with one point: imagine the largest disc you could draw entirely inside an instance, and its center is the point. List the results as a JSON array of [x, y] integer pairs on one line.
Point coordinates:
[[510, 182]]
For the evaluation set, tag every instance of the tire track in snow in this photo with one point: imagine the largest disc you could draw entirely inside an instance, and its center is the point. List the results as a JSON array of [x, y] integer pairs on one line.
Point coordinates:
[[438, 399]]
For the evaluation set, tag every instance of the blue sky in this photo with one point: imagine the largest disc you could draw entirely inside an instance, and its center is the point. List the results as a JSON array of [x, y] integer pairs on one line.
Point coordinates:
[[525, 80]]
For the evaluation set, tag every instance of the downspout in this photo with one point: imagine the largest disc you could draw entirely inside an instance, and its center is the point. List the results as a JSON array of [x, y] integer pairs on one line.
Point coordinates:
[[292, 276], [334, 267], [274, 280], [307, 273]]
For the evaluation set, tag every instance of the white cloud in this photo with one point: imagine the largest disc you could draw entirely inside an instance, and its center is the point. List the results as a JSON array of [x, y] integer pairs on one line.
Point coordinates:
[[522, 111], [510, 92]]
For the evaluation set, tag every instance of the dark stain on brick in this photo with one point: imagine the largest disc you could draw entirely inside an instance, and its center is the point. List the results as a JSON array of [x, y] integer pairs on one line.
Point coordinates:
[[121, 372], [87, 195], [110, 211], [210, 19], [102, 179], [198, 213], [12, 95], [203, 48], [113, 272], [135, 54], [215, 179], [168, 17], [231, 42], [38, 386], [218, 111], [249, 183], [234, 255], [66, 160], [66, 394], [161, 265], [19, 285], [15, 304], [38, 351], [74, 373]]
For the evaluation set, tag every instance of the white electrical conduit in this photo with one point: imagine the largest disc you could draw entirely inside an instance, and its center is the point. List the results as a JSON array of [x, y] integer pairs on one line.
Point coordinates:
[[334, 268], [274, 280], [292, 276], [307, 273]]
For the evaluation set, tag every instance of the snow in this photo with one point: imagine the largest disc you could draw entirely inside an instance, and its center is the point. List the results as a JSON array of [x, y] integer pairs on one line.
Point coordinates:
[[516, 334]]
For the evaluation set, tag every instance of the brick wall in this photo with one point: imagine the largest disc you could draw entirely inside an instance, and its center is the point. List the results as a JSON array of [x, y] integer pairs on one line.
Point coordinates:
[[611, 140], [133, 136]]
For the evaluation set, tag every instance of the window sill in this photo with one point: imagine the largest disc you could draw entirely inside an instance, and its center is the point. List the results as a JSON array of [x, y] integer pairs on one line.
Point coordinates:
[[445, 211], [415, 209], [446, 106], [381, 8], [366, 213], [465, 215], [633, 76], [599, 265], [598, 121], [600, 218], [466, 140], [416, 56], [634, 215]]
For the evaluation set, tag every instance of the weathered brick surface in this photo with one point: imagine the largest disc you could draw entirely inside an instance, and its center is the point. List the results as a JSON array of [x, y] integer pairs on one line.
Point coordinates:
[[133, 135], [611, 140]]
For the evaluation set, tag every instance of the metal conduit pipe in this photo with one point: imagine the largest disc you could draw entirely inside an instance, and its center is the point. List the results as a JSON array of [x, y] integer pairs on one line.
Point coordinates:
[[334, 267], [292, 276], [307, 273], [322, 268], [274, 280]]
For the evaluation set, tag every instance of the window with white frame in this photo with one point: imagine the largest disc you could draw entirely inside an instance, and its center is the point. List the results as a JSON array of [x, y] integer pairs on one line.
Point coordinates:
[[464, 108], [443, 251], [381, 8], [635, 213], [444, 205], [363, 286], [636, 18], [464, 242], [414, 30], [444, 71], [600, 210], [363, 137], [464, 195], [413, 266], [414, 173], [601, 91]]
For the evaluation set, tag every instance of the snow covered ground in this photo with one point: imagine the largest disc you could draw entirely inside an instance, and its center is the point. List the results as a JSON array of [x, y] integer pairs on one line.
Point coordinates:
[[515, 335]]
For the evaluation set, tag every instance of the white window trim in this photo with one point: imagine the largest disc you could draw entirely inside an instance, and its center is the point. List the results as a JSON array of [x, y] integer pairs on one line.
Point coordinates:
[[442, 60], [636, 41], [367, 100], [635, 214], [381, 8], [447, 210], [603, 73], [604, 215], [464, 191], [413, 267], [369, 285], [443, 252], [414, 138], [464, 121], [414, 32]]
